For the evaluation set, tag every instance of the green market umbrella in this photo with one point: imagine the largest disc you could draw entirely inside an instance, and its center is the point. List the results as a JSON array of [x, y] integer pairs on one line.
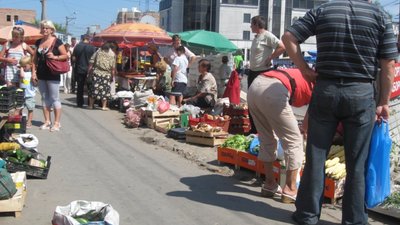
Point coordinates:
[[203, 42]]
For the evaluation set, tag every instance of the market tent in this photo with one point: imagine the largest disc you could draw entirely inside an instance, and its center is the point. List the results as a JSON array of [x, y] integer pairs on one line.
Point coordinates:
[[31, 34], [204, 42], [132, 35]]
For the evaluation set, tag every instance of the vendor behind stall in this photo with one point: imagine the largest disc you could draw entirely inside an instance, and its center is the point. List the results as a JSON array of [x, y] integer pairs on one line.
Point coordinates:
[[206, 87]]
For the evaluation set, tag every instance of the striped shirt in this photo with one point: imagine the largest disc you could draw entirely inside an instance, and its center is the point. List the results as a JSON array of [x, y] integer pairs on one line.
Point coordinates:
[[351, 38]]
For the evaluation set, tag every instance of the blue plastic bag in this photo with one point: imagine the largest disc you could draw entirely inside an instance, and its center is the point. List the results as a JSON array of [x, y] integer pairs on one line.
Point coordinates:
[[254, 146], [377, 179]]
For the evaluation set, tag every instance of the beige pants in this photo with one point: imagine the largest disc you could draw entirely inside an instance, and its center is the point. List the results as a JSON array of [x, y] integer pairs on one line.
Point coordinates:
[[273, 116]]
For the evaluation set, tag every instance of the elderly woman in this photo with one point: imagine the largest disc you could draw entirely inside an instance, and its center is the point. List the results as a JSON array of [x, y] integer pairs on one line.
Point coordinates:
[[206, 87], [102, 71], [49, 47]]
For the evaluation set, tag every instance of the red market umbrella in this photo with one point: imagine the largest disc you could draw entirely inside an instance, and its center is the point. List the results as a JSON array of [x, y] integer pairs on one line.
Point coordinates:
[[133, 35], [31, 34]]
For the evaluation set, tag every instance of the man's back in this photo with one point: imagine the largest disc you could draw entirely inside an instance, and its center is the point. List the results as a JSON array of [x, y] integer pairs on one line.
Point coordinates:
[[82, 54], [350, 38]]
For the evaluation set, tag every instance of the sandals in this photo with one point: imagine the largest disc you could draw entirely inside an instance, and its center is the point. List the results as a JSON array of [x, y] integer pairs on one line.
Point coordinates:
[[105, 109], [55, 128], [45, 126], [288, 198], [269, 193]]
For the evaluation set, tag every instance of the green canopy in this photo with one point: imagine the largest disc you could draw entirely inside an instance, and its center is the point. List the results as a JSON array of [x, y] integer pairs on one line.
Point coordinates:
[[204, 42]]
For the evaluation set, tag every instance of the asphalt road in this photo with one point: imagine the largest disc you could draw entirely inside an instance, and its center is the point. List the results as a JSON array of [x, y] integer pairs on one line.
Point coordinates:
[[95, 158]]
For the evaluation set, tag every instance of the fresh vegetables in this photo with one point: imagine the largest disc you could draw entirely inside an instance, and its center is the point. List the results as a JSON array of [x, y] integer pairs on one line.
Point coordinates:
[[335, 165], [393, 201], [5, 146], [238, 142]]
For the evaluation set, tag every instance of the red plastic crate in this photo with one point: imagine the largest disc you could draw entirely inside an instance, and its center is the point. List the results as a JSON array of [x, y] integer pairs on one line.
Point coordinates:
[[247, 160], [214, 123], [276, 168], [227, 155]]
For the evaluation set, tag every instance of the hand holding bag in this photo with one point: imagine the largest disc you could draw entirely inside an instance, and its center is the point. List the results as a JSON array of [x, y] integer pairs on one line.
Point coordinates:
[[377, 178], [57, 67]]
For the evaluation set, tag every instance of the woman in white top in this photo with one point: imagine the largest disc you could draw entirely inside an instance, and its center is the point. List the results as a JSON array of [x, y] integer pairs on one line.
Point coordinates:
[[11, 53]]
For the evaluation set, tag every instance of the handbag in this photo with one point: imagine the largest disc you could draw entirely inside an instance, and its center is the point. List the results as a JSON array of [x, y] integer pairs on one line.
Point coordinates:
[[377, 178], [57, 67]]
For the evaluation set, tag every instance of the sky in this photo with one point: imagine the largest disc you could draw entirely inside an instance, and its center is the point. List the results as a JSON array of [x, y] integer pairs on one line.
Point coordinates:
[[87, 12], [104, 12]]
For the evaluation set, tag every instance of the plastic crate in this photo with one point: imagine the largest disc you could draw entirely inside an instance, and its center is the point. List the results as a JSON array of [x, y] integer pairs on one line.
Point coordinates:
[[20, 97], [31, 171], [224, 124], [7, 99]]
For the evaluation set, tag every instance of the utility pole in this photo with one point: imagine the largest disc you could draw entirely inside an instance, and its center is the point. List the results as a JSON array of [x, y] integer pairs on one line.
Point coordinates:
[[67, 20], [43, 16]]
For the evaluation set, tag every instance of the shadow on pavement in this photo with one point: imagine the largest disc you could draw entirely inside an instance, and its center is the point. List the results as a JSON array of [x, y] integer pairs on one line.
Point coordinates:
[[222, 191]]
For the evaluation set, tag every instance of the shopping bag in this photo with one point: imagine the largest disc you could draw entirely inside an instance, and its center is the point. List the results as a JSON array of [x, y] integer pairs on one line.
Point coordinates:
[[7, 186], [85, 212], [377, 178], [232, 90], [163, 105]]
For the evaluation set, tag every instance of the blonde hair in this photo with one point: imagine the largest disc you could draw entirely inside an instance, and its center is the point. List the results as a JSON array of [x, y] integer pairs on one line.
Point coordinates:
[[25, 61], [161, 66], [49, 24]]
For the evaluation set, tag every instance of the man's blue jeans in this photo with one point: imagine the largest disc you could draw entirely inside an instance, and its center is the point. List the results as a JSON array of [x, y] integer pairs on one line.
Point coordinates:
[[353, 104]]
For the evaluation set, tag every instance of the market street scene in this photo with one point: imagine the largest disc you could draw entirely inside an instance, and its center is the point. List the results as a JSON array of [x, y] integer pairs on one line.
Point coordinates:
[[199, 112]]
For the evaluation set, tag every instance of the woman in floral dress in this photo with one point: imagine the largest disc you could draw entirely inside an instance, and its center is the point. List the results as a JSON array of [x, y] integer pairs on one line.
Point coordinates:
[[102, 67]]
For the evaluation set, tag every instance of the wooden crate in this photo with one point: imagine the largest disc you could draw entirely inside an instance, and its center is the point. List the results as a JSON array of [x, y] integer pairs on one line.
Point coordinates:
[[17, 202], [152, 117], [208, 139], [227, 155], [163, 125]]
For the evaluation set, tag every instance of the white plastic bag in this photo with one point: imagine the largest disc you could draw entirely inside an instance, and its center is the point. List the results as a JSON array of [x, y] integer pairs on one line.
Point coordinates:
[[28, 141], [101, 212]]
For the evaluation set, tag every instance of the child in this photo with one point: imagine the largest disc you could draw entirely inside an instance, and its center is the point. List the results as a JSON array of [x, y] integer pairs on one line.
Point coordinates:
[[29, 85], [179, 77], [163, 80]]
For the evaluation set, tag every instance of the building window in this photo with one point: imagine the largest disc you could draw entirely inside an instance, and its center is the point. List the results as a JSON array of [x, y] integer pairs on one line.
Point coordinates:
[[246, 35], [15, 18], [8, 18], [246, 18]]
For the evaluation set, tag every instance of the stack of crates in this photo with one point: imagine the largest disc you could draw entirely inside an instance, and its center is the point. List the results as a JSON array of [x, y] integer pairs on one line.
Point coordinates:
[[7, 99], [240, 121]]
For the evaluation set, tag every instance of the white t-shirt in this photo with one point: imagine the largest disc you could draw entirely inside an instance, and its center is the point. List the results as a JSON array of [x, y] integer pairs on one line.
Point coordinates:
[[182, 63], [30, 90], [170, 53]]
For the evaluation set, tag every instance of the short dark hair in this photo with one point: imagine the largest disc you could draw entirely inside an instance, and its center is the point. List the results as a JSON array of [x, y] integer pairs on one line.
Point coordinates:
[[206, 64], [180, 49], [259, 21], [225, 59], [176, 36]]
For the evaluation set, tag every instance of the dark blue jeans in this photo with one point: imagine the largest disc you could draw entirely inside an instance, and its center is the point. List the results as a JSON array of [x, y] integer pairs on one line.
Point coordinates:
[[332, 102]]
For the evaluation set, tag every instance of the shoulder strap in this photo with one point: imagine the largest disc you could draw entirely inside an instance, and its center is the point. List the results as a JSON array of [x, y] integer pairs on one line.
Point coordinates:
[[292, 82]]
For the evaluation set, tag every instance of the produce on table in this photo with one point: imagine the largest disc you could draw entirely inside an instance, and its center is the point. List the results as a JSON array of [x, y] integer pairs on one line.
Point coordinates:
[[206, 128]]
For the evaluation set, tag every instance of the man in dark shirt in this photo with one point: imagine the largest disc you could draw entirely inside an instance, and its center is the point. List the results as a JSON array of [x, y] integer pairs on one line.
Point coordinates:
[[354, 38], [81, 56]]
